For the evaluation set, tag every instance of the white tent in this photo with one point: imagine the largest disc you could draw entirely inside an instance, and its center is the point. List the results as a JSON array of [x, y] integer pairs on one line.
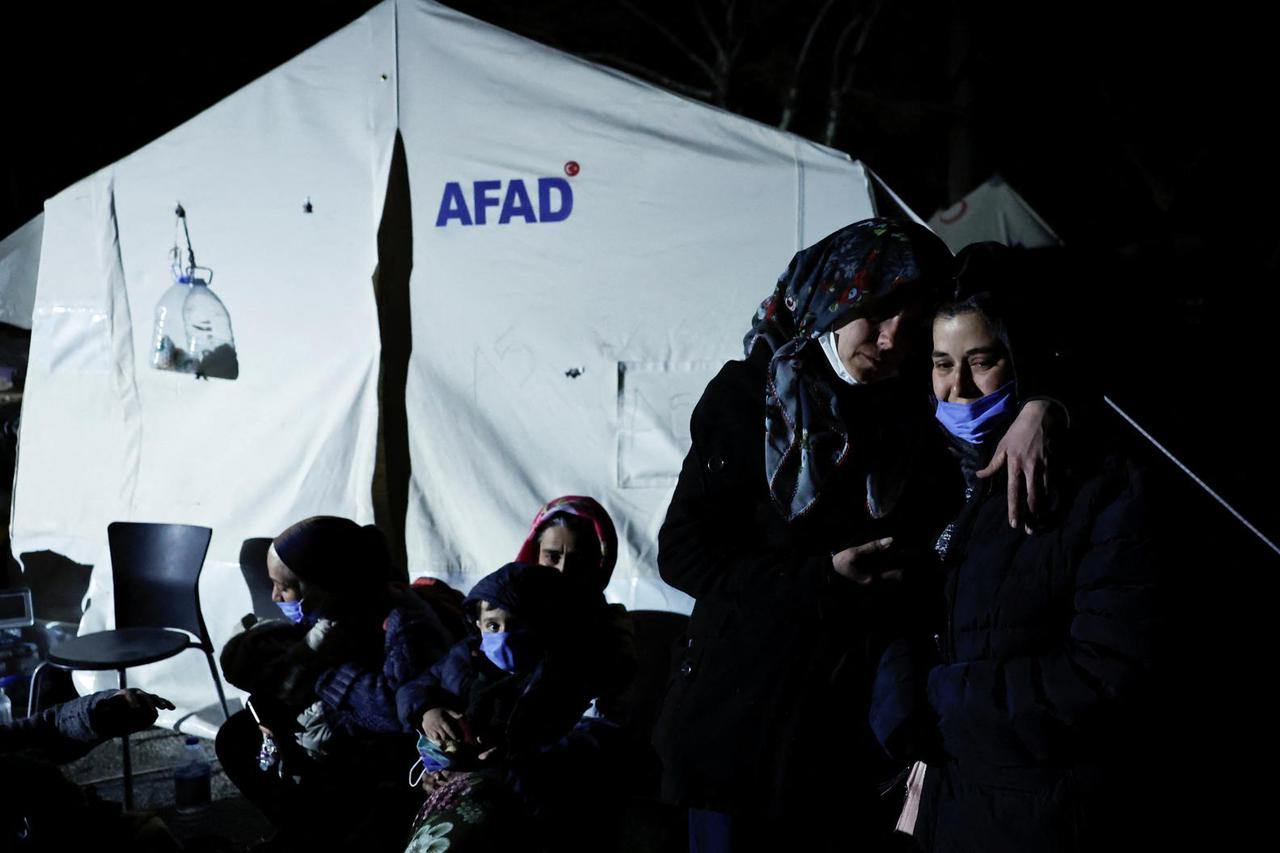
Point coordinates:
[[992, 211], [587, 250], [19, 266]]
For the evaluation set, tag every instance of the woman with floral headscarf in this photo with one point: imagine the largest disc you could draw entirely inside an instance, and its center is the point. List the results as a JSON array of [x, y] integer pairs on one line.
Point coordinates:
[[788, 548]]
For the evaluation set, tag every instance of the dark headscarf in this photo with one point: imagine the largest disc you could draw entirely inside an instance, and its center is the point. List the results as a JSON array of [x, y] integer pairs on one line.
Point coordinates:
[[869, 268], [997, 281], [336, 555], [542, 599]]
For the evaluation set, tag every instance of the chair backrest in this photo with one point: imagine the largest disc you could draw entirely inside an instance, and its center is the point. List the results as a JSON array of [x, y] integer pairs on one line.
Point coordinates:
[[156, 572], [658, 636], [253, 566]]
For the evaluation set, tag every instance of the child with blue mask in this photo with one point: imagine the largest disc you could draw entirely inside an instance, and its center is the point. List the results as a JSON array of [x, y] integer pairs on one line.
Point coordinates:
[[495, 713]]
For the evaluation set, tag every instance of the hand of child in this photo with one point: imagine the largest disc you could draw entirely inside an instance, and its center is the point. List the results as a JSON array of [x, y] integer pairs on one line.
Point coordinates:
[[441, 726], [431, 781], [318, 632]]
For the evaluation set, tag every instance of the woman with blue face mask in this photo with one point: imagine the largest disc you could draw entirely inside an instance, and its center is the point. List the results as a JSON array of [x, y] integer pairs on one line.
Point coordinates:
[[807, 494], [321, 735], [1024, 705]]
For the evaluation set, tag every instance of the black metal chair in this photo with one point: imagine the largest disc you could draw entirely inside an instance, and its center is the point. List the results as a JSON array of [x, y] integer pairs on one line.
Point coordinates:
[[253, 566], [155, 569]]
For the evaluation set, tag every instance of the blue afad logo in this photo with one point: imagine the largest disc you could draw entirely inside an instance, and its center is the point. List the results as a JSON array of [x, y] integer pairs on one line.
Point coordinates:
[[555, 202]]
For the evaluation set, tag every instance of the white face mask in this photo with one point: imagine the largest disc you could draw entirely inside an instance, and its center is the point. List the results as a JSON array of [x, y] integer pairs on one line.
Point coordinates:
[[828, 342]]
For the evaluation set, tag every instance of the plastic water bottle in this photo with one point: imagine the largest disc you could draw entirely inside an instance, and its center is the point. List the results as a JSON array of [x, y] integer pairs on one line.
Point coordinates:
[[193, 330], [191, 791], [6, 708]]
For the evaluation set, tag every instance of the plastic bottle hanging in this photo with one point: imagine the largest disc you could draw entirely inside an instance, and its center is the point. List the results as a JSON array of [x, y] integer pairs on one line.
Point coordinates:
[[193, 328]]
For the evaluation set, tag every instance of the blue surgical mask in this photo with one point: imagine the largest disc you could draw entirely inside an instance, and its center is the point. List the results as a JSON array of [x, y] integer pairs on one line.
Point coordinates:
[[292, 610], [498, 648], [977, 421], [430, 758]]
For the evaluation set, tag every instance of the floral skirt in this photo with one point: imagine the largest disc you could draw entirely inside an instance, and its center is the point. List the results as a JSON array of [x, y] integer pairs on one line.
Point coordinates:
[[468, 811]]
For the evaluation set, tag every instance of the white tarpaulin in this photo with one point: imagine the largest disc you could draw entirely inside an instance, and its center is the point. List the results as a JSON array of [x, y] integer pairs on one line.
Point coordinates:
[[19, 265], [588, 251], [993, 211], [106, 437]]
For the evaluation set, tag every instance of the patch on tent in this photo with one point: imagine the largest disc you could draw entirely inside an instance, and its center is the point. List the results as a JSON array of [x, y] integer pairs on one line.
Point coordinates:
[[73, 339], [655, 402]]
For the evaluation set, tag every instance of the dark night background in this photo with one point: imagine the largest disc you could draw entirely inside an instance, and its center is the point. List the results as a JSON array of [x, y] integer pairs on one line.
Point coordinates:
[[1139, 134], [1136, 135]]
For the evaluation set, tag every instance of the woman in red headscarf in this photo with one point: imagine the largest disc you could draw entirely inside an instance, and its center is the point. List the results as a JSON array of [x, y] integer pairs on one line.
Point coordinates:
[[575, 535]]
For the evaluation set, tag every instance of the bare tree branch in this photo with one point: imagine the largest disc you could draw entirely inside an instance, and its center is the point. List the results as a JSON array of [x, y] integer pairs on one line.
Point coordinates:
[[842, 83], [727, 47], [835, 99], [793, 91], [866, 29], [621, 62], [709, 30], [851, 27], [666, 33]]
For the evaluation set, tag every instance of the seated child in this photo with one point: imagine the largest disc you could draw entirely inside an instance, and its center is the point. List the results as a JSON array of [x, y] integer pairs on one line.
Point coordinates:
[[503, 745]]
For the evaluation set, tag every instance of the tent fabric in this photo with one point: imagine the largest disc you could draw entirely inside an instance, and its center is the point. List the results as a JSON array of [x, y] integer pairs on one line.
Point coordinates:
[[587, 251], [106, 437], [993, 211], [561, 351], [19, 265]]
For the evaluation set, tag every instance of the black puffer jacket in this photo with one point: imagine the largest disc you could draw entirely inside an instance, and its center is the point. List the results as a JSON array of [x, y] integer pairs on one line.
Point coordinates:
[[770, 694], [1045, 645]]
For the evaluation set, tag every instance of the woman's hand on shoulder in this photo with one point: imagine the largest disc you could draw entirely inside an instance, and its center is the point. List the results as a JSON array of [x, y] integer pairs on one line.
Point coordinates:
[[1025, 449]]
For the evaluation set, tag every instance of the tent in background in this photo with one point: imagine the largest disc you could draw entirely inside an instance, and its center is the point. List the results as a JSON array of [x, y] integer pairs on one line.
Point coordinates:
[[586, 251], [19, 266], [992, 211], [560, 350]]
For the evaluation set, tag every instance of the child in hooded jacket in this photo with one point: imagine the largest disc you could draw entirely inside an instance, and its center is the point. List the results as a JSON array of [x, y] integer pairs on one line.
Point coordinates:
[[505, 751]]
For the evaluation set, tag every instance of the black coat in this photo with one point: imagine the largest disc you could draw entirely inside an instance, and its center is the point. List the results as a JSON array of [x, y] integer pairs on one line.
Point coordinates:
[[769, 695], [1046, 643]]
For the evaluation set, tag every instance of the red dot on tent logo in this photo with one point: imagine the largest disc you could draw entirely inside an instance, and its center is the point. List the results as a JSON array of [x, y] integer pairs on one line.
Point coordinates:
[[572, 168]]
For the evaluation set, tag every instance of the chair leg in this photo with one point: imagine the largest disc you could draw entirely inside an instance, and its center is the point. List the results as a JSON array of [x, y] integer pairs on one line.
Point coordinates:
[[126, 760], [33, 695], [217, 682]]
